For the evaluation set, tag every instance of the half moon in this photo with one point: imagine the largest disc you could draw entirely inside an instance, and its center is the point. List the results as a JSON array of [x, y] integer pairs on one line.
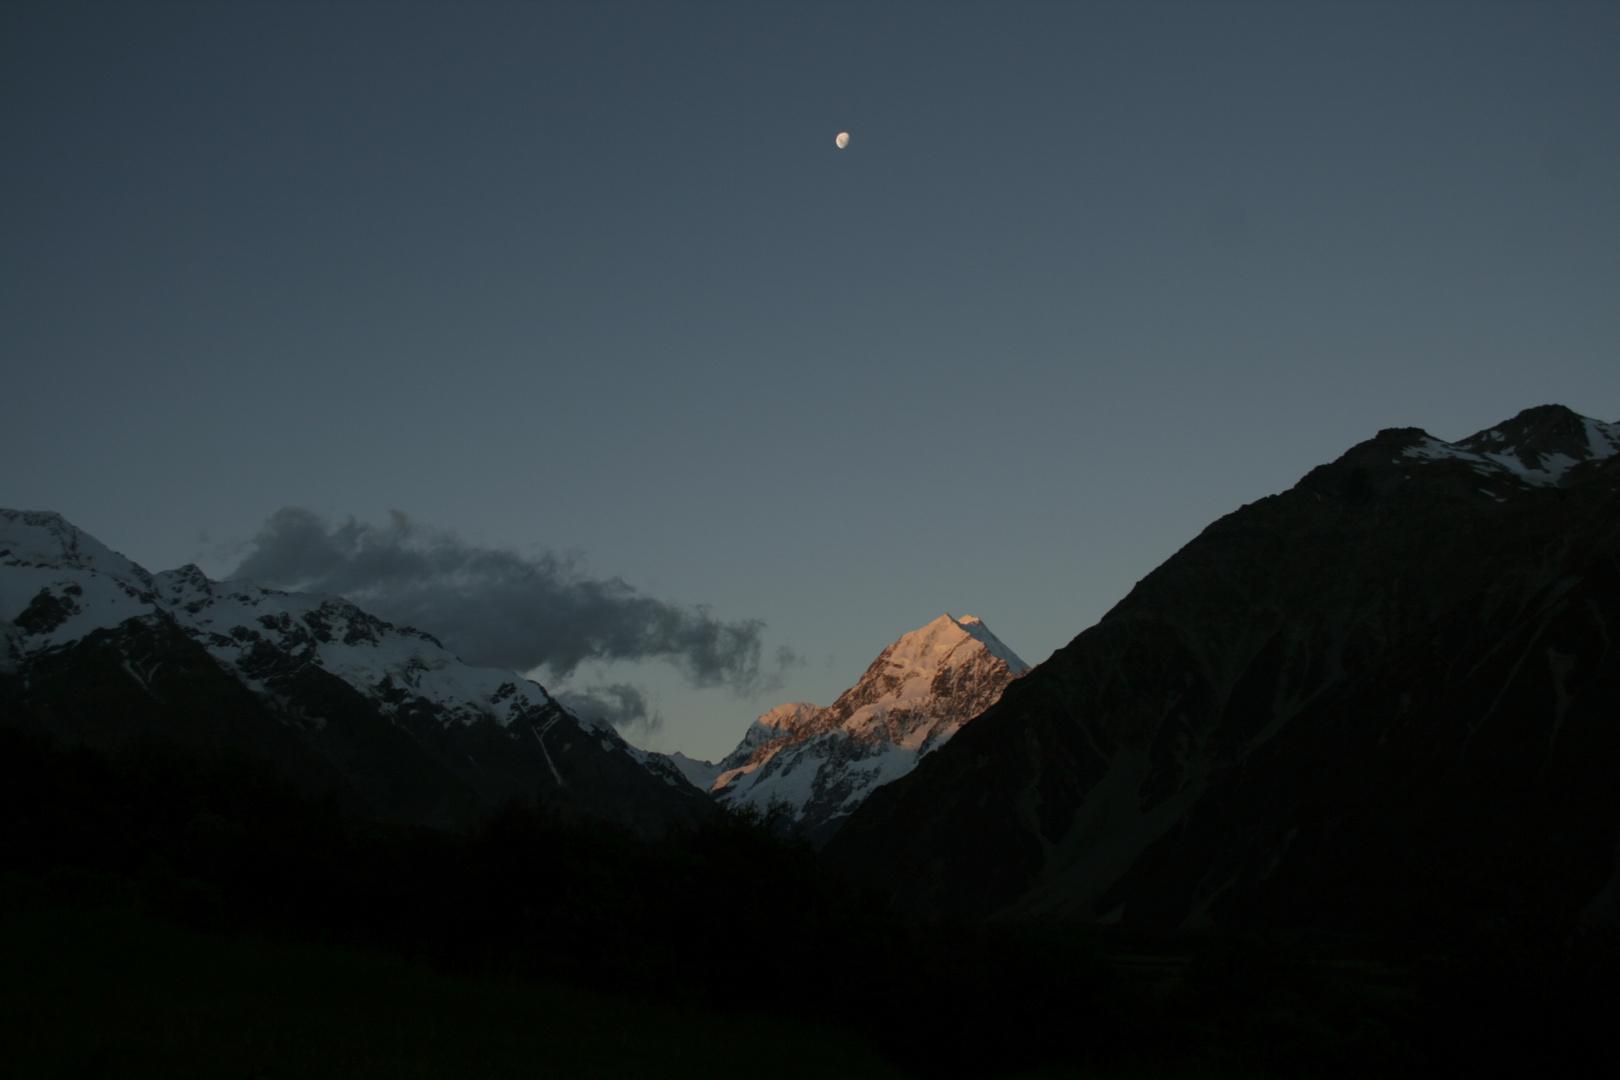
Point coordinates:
[[842, 140]]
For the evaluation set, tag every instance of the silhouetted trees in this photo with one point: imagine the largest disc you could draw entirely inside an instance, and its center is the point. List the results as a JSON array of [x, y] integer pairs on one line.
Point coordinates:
[[730, 913]]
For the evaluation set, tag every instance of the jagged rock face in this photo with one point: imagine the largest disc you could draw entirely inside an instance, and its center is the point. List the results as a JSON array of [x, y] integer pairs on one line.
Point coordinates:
[[819, 764], [1383, 701], [98, 650]]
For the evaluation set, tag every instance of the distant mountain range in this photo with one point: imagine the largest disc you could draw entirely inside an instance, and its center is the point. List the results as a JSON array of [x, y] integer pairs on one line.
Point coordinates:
[[96, 649], [1385, 701], [818, 764], [1382, 702]]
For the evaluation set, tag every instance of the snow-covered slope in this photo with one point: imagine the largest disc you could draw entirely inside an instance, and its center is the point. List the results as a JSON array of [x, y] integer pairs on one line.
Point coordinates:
[[58, 585], [1538, 446], [819, 764], [61, 584], [257, 632]]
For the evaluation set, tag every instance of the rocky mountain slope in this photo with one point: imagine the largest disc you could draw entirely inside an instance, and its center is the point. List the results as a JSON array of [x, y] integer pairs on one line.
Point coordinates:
[[95, 649], [819, 764], [1383, 702]]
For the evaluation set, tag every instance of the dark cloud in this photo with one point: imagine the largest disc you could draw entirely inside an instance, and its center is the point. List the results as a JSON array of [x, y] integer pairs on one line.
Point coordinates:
[[620, 704], [501, 608]]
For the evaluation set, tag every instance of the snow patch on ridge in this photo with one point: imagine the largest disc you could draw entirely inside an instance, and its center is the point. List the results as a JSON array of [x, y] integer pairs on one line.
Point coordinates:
[[1538, 447], [700, 774], [1603, 439]]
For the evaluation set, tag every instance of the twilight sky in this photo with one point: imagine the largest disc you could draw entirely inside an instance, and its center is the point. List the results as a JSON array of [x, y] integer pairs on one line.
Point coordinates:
[[661, 383]]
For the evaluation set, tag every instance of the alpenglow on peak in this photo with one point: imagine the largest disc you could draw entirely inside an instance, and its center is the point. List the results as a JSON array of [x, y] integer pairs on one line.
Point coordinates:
[[818, 764]]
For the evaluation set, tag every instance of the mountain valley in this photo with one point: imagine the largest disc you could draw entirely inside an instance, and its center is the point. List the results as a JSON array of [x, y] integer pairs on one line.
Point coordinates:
[[1329, 793]]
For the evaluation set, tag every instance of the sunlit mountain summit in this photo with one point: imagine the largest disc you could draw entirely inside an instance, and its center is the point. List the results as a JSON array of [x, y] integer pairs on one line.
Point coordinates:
[[818, 764]]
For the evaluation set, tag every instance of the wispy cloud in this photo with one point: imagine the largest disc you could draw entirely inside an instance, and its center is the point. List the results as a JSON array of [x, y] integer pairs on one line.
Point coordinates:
[[502, 608], [621, 704]]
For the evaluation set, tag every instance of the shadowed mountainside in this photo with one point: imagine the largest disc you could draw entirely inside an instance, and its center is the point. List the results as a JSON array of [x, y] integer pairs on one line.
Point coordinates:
[[95, 650], [1383, 702]]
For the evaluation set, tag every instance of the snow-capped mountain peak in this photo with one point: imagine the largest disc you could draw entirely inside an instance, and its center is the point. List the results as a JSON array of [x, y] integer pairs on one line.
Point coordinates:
[[45, 539], [822, 762], [309, 658], [60, 583], [974, 626], [898, 693]]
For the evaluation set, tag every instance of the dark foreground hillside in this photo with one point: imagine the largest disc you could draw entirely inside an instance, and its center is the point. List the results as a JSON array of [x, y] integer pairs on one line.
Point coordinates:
[[165, 915], [110, 992]]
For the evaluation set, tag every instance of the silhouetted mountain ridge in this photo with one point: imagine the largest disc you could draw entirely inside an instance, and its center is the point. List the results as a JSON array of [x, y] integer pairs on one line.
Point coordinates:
[[1381, 701]]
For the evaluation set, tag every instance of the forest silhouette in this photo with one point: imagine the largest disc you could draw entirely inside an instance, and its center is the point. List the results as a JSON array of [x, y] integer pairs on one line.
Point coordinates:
[[730, 917]]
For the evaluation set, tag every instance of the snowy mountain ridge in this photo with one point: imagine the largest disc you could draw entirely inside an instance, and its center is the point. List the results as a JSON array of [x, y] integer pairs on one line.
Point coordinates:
[[58, 586], [821, 763], [70, 585], [1537, 447]]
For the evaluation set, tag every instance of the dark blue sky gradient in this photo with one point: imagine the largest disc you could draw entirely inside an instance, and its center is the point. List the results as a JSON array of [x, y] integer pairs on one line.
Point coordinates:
[[595, 278]]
